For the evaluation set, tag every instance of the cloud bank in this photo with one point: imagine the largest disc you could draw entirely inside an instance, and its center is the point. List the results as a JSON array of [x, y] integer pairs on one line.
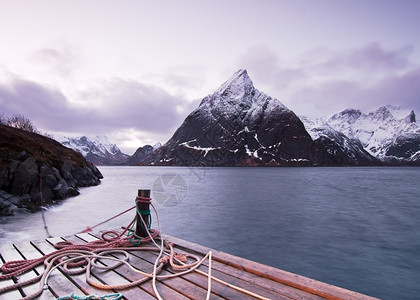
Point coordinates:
[[114, 105], [321, 82]]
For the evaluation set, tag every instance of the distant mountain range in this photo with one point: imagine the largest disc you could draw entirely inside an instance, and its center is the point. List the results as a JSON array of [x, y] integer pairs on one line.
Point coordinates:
[[390, 133], [100, 151], [238, 125]]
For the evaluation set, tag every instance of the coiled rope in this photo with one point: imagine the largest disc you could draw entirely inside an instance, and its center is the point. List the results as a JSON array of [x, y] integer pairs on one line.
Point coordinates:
[[75, 259]]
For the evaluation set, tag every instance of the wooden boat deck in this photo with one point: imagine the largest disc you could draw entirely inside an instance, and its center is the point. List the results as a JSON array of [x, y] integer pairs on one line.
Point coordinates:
[[263, 280]]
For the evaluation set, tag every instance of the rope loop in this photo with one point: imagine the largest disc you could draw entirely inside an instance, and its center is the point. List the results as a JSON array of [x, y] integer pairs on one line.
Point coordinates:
[[114, 236], [144, 199], [63, 244], [135, 241]]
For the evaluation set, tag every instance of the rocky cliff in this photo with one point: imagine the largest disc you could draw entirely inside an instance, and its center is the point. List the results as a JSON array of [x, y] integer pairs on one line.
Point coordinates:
[[36, 170]]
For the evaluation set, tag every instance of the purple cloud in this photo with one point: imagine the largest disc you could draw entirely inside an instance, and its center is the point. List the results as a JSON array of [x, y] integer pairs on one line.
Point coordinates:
[[397, 89], [32, 100], [335, 95], [115, 104], [128, 103], [369, 58], [321, 82]]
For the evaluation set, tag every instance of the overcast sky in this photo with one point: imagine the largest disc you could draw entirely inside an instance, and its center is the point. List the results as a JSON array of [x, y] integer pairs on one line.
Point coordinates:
[[133, 70]]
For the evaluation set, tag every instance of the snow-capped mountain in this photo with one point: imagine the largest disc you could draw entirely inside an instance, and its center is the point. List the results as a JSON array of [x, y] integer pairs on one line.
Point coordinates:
[[341, 149], [239, 125], [99, 151], [389, 133]]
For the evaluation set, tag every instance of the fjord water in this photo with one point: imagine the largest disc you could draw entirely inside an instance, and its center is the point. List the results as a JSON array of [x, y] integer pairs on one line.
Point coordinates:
[[357, 228]]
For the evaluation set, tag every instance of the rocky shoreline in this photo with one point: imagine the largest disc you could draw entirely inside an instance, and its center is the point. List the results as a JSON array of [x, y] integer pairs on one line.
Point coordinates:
[[37, 171]]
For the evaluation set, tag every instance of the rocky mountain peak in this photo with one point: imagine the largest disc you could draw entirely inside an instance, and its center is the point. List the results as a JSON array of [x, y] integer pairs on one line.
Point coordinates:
[[349, 115], [383, 113], [237, 85], [236, 93], [237, 103], [238, 125]]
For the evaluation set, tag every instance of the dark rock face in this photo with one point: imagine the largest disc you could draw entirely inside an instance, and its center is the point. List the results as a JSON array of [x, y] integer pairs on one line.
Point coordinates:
[[342, 151], [139, 155], [404, 146], [238, 126], [36, 170], [411, 118]]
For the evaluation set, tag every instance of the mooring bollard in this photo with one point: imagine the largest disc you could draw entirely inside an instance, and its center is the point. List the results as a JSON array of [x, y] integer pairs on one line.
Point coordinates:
[[143, 212]]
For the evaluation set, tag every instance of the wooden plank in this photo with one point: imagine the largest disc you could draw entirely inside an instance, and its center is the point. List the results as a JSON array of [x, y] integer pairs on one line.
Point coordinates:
[[63, 284], [27, 251], [221, 289], [167, 289], [192, 285], [32, 288], [229, 292], [9, 253], [179, 284], [242, 279], [117, 275], [259, 285], [263, 287], [299, 282], [218, 289]]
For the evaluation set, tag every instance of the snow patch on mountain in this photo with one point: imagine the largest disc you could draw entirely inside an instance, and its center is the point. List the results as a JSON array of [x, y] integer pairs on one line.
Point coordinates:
[[157, 146], [316, 127], [104, 145], [239, 96], [335, 141], [387, 132], [376, 130]]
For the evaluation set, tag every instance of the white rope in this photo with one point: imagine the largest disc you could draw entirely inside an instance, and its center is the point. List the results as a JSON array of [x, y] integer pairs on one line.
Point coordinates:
[[161, 246]]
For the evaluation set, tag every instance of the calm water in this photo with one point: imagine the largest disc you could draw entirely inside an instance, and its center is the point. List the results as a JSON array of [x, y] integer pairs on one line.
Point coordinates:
[[358, 228]]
